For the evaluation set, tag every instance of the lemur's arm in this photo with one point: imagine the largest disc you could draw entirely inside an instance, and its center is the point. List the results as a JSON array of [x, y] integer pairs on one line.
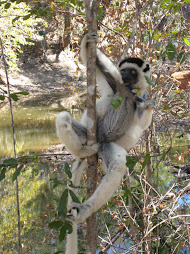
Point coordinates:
[[105, 80]]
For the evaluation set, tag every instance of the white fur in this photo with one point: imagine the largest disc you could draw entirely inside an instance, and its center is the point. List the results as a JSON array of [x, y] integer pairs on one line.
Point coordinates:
[[77, 145], [107, 187], [103, 88], [72, 239], [141, 84], [135, 131], [73, 142]]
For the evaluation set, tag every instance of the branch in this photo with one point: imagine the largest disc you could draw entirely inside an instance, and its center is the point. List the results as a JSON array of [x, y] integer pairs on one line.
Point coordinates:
[[91, 8]]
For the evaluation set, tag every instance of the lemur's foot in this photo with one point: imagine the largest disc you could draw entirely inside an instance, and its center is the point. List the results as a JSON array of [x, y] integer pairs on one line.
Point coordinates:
[[92, 37], [78, 213], [88, 150], [64, 120], [93, 149]]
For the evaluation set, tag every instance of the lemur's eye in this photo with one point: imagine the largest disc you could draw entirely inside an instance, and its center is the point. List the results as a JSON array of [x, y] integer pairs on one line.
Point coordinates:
[[122, 72], [133, 72]]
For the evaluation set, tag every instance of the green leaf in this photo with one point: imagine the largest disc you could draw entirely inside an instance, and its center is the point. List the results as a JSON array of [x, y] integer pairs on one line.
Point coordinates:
[[62, 207], [23, 93], [27, 16], [14, 97], [181, 57], [75, 187], [55, 224], [10, 162], [146, 158], [2, 97], [59, 251], [62, 234], [74, 197], [163, 155], [100, 14], [42, 33], [2, 174], [7, 5], [15, 19], [176, 8], [2, 2], [116, 102], [16, 173], [187, 42], [171, 51], [67, 170], [131, 162], [148, 80], [69, 227], [127, 192], [66, 228], [56, 182], [136, 92]]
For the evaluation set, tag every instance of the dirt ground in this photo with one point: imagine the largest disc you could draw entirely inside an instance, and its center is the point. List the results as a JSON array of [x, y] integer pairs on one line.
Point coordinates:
[[49, 82]]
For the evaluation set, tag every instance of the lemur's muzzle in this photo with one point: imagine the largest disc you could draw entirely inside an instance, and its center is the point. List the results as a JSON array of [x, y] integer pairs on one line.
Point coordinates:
[[129, 76]]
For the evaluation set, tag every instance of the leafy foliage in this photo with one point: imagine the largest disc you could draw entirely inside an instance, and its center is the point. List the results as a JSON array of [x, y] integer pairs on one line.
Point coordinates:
[[18, 31]]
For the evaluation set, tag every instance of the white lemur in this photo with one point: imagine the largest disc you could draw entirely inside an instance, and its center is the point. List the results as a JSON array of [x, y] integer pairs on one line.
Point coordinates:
[[118, 129]]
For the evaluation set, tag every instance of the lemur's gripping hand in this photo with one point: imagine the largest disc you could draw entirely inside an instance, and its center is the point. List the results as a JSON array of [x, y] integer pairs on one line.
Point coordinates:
[[150, 103], [86, 151], [78, 213], [91, 37], [147, 104]]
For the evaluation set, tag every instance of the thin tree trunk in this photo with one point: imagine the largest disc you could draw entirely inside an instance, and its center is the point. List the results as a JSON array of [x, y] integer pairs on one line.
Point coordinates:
[[67, 30], [14, 145], [91, 8], [147, 246]]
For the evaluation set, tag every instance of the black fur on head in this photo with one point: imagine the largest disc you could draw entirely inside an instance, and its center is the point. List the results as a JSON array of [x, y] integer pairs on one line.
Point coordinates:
[[134, 60]]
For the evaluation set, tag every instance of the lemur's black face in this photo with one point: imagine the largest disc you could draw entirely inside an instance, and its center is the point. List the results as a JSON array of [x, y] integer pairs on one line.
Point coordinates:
[[129, 76], [133, 71]]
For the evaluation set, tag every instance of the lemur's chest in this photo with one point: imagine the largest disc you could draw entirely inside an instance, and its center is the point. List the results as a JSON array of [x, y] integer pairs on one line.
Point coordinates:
[[131, 137]]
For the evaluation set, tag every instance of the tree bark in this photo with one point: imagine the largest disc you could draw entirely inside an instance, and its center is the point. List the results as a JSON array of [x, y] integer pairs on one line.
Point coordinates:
[[91, 8], [147, 245], [67, 31]]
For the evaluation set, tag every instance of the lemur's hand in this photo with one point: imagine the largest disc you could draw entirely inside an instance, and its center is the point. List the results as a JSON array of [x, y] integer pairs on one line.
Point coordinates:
[[78, 213], [147, 104], [150, 103]]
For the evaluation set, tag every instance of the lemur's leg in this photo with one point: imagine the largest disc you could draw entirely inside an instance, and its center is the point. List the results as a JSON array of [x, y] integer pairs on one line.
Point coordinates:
[[72, 240], [114, 158], [74, 136], [144, 113]]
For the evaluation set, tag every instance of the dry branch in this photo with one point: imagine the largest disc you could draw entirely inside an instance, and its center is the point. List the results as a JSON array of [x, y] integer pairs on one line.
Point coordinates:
[[91, 8]]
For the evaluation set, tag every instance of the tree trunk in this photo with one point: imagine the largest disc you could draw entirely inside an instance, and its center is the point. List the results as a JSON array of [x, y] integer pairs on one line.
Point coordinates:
[[147, 245], [91, 18], [67, 31]]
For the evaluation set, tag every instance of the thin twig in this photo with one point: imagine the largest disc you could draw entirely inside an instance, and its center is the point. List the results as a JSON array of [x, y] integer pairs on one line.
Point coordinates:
[[14, 143], [138, 13], [164, 221]]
